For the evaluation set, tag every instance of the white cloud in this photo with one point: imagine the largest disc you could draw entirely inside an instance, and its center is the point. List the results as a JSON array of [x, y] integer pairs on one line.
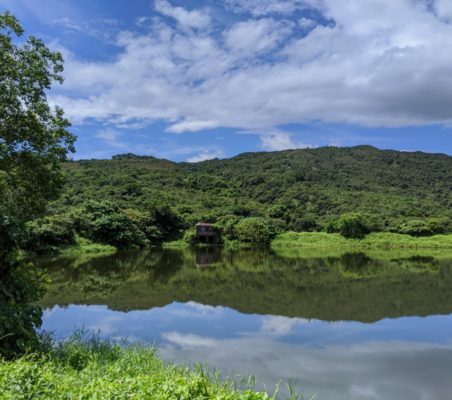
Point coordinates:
[[379, 64], [280, 141], [280, 326], [111, 137], [68, 23], [182, 340], [187, 19], [206, 155], [191, 126], [265, 7], [306, 23], [365, 371], [256, 36], [444, 9]]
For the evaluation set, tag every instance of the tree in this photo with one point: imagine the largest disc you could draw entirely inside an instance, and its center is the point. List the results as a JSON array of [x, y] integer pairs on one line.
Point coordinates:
[[353, 225], [104, 222], [33, 137], [33, 142], [253, 230], [424, 227]]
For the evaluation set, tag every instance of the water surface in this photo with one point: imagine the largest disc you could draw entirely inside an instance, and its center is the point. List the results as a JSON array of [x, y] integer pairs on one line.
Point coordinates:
[[344, 326]]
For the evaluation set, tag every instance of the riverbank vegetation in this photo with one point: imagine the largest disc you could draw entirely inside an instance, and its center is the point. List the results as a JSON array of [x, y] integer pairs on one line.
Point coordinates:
[[136, 201], [95, 369], [377, 240]]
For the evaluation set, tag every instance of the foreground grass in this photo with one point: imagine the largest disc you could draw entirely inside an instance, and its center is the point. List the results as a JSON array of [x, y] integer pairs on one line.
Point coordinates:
[[380, 240], [96, 369]]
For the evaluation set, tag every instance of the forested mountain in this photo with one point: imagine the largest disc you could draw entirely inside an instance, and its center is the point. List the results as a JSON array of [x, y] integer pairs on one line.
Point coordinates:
[[135, 201], [304, 188]]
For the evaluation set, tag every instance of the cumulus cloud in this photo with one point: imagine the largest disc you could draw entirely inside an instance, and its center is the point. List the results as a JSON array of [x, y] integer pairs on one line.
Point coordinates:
[[372, 370], [280, 326], [374, 64], [265, 7], [281, 141], [187, 19], [256, 36], [206, 155], [444, 9]]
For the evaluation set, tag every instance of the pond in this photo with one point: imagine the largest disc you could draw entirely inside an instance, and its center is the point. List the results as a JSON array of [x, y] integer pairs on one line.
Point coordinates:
[[342, 326]]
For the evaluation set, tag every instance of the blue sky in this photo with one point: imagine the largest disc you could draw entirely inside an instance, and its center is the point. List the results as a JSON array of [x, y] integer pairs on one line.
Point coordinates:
[[192, 80]]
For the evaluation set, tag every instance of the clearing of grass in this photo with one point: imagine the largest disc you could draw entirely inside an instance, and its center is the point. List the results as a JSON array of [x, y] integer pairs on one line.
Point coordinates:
[[379, 240]]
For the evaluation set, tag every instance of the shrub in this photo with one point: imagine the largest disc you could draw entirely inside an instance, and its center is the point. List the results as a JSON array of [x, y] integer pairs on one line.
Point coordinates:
[[48, 233], [190, 237], [168, 221], [422, 227], [305, 223], [353, 225], [227, 225], [103, 222], [253, 230], [145, 221]]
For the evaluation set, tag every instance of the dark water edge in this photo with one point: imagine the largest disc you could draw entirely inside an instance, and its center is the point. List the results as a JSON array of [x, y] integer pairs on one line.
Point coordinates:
[[348, 326]]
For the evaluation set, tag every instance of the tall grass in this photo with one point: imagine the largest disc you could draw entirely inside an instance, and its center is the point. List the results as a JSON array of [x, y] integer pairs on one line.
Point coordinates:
[[80, 368], [379, 240]]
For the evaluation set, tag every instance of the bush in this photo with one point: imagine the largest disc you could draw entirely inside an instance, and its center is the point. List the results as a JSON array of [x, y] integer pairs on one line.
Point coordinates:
[[420, 227], [103, 222], [227, 225], [48, 233], [253, 230], [353, 225], [145, 221], [20, 316], [306, 223], [190, 237], [168, 221]]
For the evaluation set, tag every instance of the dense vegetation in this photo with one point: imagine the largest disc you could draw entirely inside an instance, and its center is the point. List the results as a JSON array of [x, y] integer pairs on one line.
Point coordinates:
[[94, 369], [33, 143], [133, 200]]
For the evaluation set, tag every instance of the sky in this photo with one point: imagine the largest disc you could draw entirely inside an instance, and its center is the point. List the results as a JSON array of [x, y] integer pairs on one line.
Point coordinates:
[[198, 79]]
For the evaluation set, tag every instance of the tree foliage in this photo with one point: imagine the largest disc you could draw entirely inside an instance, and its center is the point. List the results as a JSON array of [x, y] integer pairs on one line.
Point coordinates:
[[353, 225], [48, 233], [104, 223], [253, 230], [33, 143], [298, 190]]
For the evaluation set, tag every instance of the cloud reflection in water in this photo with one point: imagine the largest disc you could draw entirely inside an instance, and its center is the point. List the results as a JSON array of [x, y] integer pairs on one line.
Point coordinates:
[[404, 358]]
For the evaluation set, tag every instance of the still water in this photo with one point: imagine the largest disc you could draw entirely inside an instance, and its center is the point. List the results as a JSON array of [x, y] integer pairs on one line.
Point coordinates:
[[342, 326]]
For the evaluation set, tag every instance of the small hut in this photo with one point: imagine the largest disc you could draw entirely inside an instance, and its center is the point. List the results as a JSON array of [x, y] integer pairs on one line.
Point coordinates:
[[205, 231]]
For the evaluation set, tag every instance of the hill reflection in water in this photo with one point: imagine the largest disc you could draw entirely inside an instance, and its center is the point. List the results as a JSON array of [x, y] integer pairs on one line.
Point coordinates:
[[349, 286], [353, 326]]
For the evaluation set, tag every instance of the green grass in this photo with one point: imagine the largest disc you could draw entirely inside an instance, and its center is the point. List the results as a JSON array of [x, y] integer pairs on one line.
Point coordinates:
[[84, 246], [176, 244], [380, 240], [95, 369]]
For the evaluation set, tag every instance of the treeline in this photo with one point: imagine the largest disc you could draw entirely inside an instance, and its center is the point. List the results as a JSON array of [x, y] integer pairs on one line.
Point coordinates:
[[138, 200]]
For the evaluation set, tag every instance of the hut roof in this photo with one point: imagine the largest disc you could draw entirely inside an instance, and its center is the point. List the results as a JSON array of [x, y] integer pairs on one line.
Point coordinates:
[[203, 224]]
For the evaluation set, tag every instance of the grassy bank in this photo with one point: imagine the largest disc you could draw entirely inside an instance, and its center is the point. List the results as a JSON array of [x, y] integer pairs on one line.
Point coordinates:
[[84, 246], [380, 240], [314, 244], [100, 370]]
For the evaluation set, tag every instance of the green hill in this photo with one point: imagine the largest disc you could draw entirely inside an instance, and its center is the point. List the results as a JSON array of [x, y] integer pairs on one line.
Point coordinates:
[[135, 200], [298, 186]]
